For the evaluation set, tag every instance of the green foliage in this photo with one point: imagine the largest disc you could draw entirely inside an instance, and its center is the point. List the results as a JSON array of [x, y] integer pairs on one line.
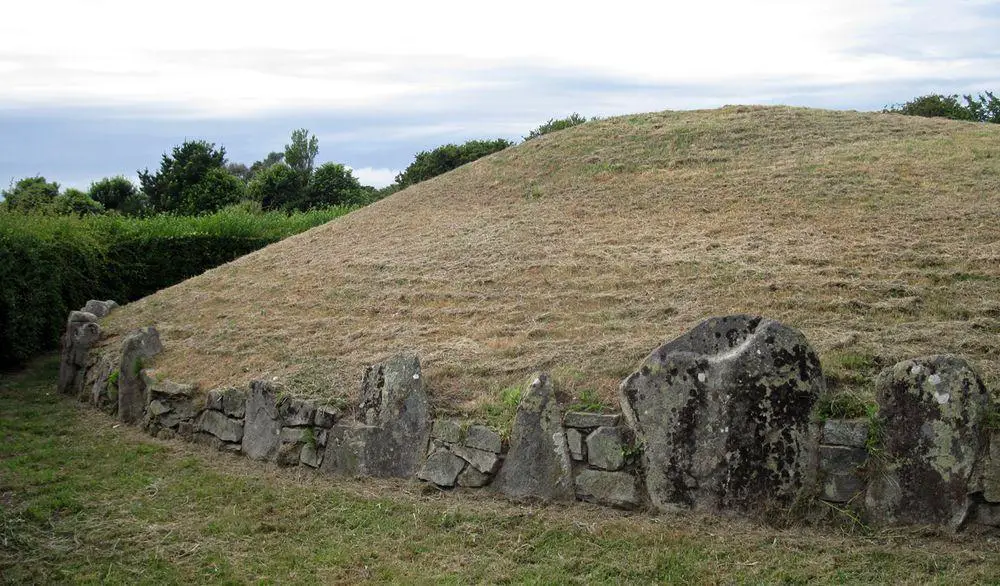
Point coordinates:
[[52, 264], [276, 187], [117, 193], [447, 157], [182, 170], [554, 125], [272, 158], [588, 401], [301, 153], [31, 195], [333, 184], [74, 202], [216, 190], [841, 406], [982, 108]]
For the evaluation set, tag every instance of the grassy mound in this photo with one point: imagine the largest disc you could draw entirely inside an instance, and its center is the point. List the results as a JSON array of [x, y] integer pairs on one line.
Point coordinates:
[[877, 235]]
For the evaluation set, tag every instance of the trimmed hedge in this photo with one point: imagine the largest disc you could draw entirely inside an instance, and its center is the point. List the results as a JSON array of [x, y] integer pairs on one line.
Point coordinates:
[[50, 265]]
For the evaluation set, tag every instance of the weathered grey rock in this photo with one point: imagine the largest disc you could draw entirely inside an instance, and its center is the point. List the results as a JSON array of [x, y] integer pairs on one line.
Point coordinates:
[[988, 514], [577, 447], [606, 448], [82, 332], [206, 439], [326, 416], [222, 427], [840, 468], [321, 435], [723, 412], [990, 478], [615, 489], [347, 448], [262, 426], [138, 346], [447, 430], [538, 465], [166, 389], [100, 391], [472, 478], [289, 454], [485, 462], [166, 434], [294, 411], [483, 438], [231, 401], [846, 432], [585, 420], [932, 412], [311, 456], [296, 435], [158, 408], [441, 468], [99, 308]]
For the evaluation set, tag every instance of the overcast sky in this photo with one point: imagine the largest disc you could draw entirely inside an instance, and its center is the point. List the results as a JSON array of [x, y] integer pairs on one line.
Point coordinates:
[[103, 87]]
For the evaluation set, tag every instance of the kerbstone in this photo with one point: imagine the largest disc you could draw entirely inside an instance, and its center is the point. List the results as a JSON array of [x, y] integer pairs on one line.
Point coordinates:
[[262, 426], [137, 347], [932, 414], [605, 448], [723, 414], [538, 465], [615, 489]]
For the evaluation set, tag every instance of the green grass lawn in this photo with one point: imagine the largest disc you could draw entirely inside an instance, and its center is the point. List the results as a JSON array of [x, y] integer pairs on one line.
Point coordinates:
[[85, 500]]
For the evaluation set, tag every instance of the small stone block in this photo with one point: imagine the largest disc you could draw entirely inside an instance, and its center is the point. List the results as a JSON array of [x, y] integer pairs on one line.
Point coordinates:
[[293, 411], [585, 420], [289, 454], [483, 438], [577, 448], [441, 468], [158, 408], [841, 487], [295, 435], [846, 432], [605, 448], [485, 462], [616, 489], [310, 456], [472, 478], [326, 416], [447, 430]]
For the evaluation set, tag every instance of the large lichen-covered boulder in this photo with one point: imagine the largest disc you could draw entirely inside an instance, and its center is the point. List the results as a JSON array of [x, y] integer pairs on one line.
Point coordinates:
[[391, 438], [81, 333], [538, 465], [723, 412], [932, 412], [137, 347]]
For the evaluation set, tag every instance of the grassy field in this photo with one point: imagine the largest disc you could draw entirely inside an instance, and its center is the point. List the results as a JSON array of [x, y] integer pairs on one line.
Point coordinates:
[[84, 500], [877, 235]]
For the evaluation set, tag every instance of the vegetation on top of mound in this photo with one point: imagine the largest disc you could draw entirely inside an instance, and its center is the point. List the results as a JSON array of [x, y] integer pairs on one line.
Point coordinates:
[[982, 108]]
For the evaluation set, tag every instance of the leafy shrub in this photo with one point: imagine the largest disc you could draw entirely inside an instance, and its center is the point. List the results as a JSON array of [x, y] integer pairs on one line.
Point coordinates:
[[75, 202], [554, 124], [982, 108], [429, 164], [276, 187], [116, 193], [30, 195], [52, 264]]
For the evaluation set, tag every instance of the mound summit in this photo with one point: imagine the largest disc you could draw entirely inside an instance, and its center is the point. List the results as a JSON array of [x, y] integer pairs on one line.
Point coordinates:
[[876, 235]]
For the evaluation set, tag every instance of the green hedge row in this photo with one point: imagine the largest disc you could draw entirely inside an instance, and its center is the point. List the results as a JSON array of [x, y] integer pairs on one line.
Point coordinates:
[[50, 265]]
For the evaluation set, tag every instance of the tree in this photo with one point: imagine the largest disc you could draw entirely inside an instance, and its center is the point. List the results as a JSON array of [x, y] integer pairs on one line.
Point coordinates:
[[301, 153], [982, 108], [447, 157], [31, 195], [240, 170], [184, 168], [216, 190], [76, 202], [276, 187], [272, 158], [553, 125], [113, 193], [333, 184]]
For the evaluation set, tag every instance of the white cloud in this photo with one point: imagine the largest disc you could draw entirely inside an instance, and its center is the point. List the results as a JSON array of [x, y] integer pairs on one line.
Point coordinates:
[[375, 177], [225, 58]]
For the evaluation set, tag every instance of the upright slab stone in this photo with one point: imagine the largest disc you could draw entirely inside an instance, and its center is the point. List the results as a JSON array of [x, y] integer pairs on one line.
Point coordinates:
[[262, 425], [81, 333], [391, 438], [137, 347], [932, 412], [538, 465], [723, 412]]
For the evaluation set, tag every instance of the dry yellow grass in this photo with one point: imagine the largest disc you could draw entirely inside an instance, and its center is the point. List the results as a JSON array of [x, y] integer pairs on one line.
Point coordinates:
[[877, 235]]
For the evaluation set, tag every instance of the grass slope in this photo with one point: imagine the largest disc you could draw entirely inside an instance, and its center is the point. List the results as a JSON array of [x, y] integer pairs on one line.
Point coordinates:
[[85, 500], [877, 235]]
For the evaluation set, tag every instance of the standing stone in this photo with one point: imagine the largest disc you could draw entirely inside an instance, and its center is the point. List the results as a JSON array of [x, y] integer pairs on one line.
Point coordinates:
[[138, 346], [723, 412], [262, 426], [538, 465], [81, 333], [605, 448], [441, 468], [932, 412]]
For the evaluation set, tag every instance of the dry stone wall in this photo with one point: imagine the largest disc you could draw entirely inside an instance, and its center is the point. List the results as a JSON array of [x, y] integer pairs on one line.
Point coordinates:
[[721, 419]]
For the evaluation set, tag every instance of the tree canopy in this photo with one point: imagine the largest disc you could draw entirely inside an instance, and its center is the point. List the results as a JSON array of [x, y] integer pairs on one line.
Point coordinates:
[[982, 108], [444, 158], [30, 195], [184, 169]]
